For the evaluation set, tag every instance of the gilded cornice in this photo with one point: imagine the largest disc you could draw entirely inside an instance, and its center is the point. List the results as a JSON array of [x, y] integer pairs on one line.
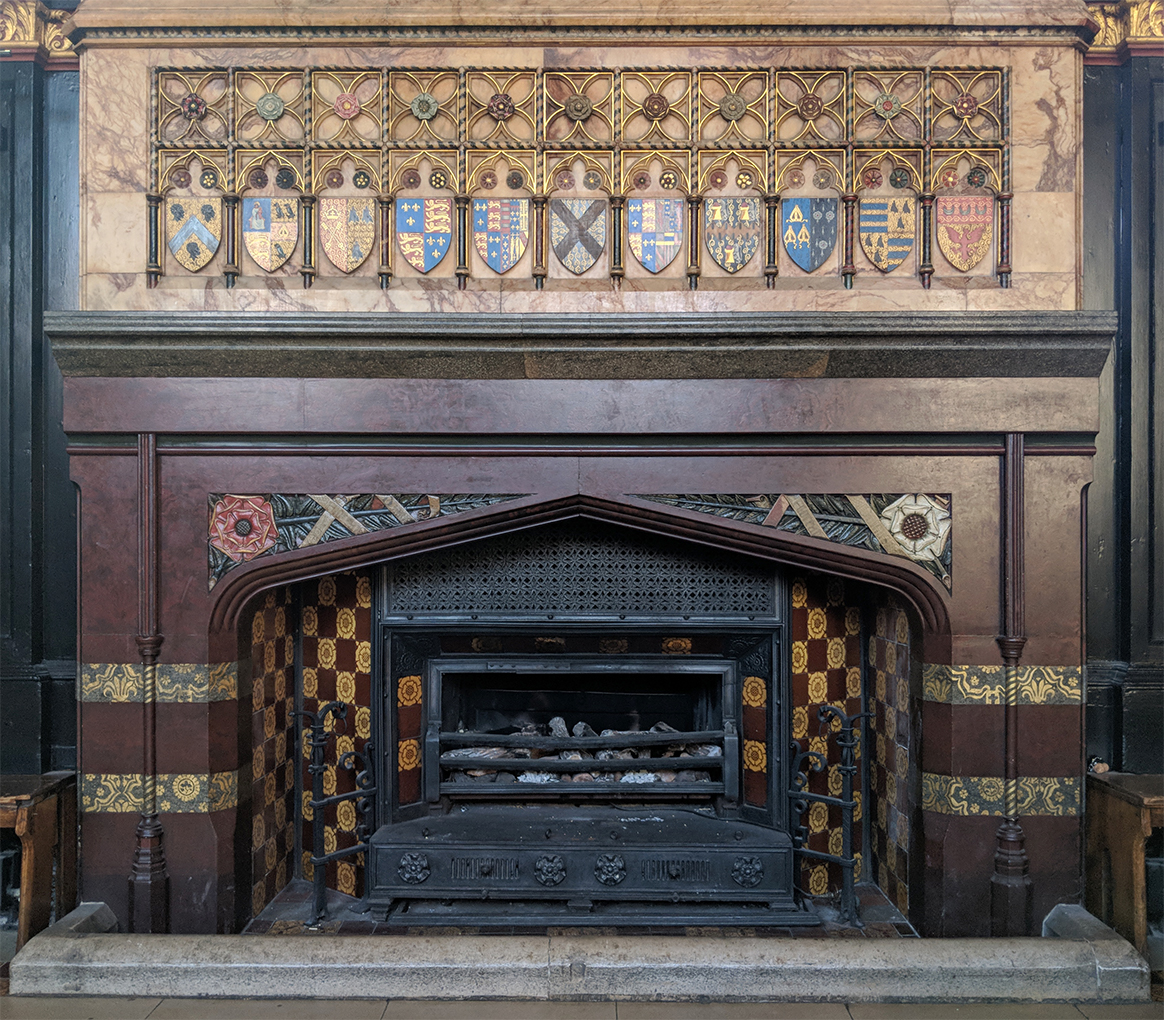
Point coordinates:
[[1127, 28], [31, 31]]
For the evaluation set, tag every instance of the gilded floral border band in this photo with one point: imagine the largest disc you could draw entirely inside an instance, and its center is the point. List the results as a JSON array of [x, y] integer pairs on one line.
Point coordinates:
[[986, 795], [986, 685], [176, 792], [177, 682]]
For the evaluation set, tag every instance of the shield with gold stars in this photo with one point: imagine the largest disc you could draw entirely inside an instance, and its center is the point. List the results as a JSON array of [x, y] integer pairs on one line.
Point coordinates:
[[424, 230], [193, 230], [347, 228], [270, 230], [887, 227], [965, 227], [501, 231], [732, 231]]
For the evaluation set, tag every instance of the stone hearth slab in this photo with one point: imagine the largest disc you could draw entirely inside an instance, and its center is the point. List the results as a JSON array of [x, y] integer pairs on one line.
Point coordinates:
[[583, 967]]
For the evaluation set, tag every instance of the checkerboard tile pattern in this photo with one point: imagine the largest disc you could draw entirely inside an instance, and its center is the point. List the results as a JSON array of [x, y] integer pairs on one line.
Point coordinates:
[[826, 669], [889, 774], [336, 637], [273, 748]]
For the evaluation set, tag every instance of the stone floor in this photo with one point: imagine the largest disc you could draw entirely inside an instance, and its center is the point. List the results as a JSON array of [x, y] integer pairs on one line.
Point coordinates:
[[289, 913], [400, 1009]]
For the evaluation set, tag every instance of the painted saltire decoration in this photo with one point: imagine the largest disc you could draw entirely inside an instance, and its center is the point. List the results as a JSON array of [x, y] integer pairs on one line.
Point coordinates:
[[887, 228], [809, 230], [578, 231], [270, 230], [501, 231], [193, 230], [347, 227], [424, 230], [732, 230], [245, 527], [916, 526], [655, 231], [965, 225]]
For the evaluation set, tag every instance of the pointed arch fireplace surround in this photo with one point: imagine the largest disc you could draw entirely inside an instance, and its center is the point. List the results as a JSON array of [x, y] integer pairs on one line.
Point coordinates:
[[462, 562]]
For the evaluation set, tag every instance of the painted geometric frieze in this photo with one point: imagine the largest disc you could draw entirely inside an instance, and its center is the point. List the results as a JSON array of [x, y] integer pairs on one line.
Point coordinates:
[[986, 795], [373, 159], [916, 526], [176, 792], [177, 683], [986, 685], [243, 527]]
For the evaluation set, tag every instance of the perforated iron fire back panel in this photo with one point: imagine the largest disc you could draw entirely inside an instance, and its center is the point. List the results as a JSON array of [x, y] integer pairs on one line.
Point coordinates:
[[580, 567]]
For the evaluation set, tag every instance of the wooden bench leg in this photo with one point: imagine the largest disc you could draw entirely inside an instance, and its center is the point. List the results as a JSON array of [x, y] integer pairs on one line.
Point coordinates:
[[37, 828]]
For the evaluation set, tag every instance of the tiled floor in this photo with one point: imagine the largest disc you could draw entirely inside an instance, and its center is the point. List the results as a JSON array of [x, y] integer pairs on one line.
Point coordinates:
[[399, 1009], [290, 912]]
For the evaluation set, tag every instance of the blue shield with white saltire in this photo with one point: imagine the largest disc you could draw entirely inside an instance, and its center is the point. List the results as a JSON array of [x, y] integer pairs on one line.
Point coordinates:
[[424, 230], [809, 229], [887, 227], [732, 231], [655, 230], [500, 231], [578, 231], [193, 230], [270, 229]]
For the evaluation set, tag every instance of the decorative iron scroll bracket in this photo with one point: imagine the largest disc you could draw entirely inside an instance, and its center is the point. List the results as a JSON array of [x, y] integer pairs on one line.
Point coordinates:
[[847, 739], [363, 795]]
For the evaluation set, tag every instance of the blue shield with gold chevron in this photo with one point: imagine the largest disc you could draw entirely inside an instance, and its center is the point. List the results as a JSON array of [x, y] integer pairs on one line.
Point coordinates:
[[809, 230], [500, 231], [655, 230], [887, 227], [424, 230]]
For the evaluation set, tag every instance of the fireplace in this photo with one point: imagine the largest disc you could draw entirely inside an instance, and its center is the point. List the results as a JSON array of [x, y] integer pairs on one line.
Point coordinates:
[[583, 724]]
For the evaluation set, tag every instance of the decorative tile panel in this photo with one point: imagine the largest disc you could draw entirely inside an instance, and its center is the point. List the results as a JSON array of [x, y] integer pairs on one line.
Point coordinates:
[[986, 685], [986, 795], [191, 683], [916, 526], [177, 793]]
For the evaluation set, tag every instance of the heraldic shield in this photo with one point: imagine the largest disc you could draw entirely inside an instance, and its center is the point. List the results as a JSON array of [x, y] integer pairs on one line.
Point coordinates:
[[810, 230], [732, 228], [578, 231], [887, 230], [501, 231], [424, 230], [965, 226], [347, 227], [655, 230], [270, 230], [194, 228]]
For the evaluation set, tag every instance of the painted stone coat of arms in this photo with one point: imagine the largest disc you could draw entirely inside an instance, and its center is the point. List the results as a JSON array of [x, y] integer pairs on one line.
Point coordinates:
[[347, 228], [424, 230], [887, 228], [965, 228], [578, 231], [809, 230], [501, 231], [193, 230], [732, 228], [655, 231], [270, 230]]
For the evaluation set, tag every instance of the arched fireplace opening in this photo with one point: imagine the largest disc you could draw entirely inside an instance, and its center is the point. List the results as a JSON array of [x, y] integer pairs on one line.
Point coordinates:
[[508, 688]]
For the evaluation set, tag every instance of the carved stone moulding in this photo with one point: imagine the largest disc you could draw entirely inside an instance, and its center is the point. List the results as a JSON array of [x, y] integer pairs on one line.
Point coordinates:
[[1127, 28], [31, 31]]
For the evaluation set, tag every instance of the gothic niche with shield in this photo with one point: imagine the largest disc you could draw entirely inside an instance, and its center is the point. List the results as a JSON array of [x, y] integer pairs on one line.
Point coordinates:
[[269, 210], [347, 210], [192, 208], [579, 214], [656, 214], [423, 214], [810, 214], [500, 214], [733, 214], [887, 210], [964, 212]]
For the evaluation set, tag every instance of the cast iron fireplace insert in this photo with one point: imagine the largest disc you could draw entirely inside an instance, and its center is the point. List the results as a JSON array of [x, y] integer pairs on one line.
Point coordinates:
[[585, 725]]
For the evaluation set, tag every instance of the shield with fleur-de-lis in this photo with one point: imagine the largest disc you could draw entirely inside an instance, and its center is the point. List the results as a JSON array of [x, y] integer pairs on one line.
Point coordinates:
[[193, 230], [347, 227], [887, 227], [809, 230], [965, 227], [270, 230], [501, 231], [732, 231], [424, 230], [655, 231]]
